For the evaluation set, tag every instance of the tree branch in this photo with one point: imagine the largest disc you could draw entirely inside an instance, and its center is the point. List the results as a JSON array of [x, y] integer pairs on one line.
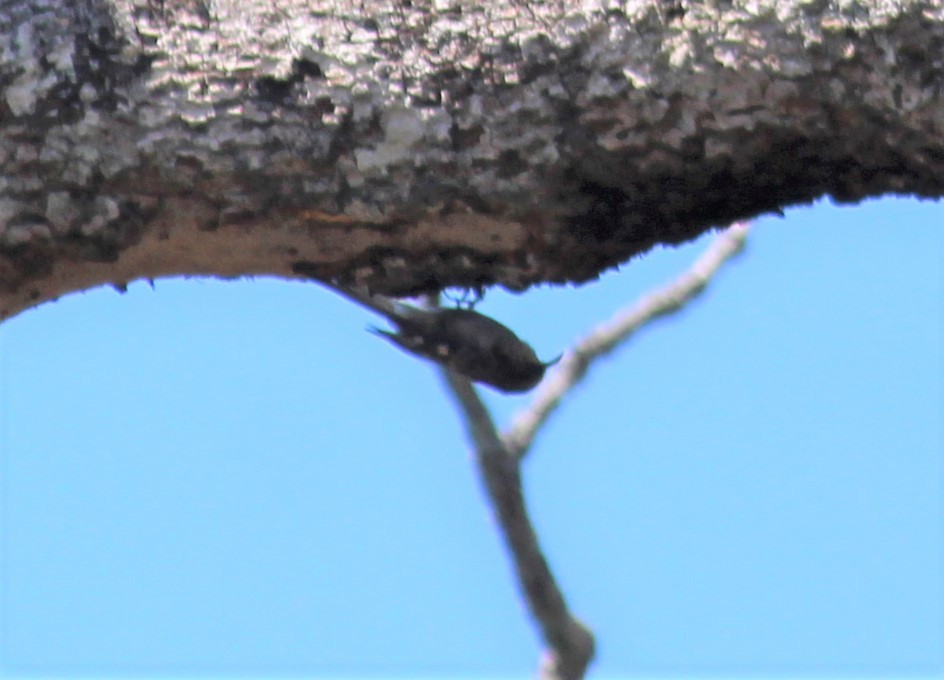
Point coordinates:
[[618, 330], [498, 458], [409, 147], [571, 644]]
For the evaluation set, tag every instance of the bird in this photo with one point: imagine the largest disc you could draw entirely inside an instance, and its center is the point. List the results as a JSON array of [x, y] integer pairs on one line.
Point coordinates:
[[464, 341]]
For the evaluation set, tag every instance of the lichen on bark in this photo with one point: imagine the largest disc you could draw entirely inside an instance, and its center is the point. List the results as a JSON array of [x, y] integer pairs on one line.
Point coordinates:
[[409, 146]]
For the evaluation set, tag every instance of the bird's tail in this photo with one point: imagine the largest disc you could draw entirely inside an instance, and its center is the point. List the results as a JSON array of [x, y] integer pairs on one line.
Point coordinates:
[[381, 304]]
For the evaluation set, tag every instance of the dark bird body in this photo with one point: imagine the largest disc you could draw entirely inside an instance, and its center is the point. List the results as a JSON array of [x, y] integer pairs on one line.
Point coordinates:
[[471, 344]]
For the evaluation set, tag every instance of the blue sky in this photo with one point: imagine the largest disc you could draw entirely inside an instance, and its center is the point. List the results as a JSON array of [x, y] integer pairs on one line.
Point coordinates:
[[215, 478]]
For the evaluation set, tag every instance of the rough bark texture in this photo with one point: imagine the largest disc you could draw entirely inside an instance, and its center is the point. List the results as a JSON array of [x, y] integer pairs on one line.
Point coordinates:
[[417, 144]]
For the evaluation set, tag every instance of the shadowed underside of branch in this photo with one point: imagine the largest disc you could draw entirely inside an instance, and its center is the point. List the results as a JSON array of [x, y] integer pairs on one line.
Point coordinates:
[[413, 147]]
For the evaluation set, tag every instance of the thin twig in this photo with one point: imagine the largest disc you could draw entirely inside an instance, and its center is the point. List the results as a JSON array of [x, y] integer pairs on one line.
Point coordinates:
[[609, 335], [570, 643]]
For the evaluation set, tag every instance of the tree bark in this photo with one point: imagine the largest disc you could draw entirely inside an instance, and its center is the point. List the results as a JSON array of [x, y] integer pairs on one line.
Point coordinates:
[[415, 144]]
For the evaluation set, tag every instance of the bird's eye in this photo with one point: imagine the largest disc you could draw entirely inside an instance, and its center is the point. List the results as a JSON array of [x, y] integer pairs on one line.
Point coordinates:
[[442, 350]]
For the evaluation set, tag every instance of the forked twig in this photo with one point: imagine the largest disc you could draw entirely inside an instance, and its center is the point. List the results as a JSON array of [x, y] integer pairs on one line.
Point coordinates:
[[570, 643]]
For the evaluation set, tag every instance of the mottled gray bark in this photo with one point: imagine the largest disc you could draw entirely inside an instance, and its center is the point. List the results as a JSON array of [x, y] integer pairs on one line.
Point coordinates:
[[411, 144]]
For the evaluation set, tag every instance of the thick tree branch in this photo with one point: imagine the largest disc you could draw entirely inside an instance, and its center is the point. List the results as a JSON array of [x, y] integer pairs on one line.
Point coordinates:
[[607, 337], [410, 146]]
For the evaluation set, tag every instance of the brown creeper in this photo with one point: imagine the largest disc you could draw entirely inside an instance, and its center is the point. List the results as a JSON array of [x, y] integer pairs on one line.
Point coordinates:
[[469, 343]]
